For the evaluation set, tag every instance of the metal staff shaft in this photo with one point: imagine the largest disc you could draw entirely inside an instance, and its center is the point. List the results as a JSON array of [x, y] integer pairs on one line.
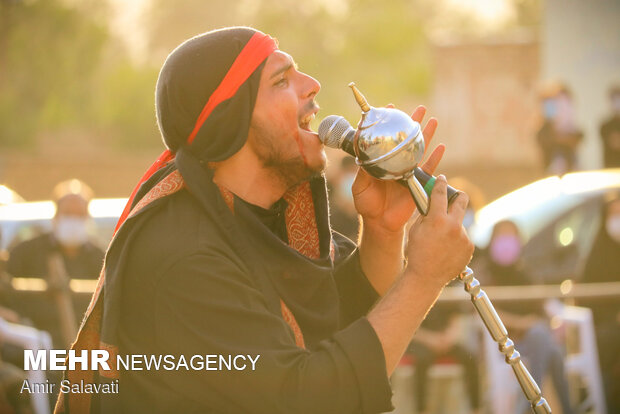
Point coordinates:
[[498, 332], [491, 319]]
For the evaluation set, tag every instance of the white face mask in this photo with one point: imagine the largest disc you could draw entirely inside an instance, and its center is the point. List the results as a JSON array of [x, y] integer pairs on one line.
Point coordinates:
[[71, 231], [612, 225]]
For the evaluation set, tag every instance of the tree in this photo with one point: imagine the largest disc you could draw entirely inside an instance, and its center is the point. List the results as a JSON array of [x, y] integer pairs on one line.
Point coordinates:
[[48, 56], [383, 49]]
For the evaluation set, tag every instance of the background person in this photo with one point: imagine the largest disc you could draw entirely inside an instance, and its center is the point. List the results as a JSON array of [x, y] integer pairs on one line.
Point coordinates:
[[603, 265], [610, 131], [526, 321], [57, 256], [69, 237], [559, 135], [438, 337]]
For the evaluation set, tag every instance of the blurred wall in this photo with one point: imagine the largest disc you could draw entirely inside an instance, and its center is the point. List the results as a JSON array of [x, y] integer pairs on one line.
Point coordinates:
[[580, 45], [487, 91]]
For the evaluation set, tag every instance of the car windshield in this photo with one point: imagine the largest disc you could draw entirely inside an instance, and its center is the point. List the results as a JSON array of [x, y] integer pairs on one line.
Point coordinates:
[[22, 221], [533, 206]]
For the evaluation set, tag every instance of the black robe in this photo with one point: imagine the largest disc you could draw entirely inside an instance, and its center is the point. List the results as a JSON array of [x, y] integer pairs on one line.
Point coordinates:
[[198, 279]]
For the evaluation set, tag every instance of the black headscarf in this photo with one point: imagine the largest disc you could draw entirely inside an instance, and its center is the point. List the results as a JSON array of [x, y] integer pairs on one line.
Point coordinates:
[[188, 78]]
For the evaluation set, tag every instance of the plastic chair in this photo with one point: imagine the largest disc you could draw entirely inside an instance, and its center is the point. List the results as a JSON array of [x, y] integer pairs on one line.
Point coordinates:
[[584, 360], [29, 338]]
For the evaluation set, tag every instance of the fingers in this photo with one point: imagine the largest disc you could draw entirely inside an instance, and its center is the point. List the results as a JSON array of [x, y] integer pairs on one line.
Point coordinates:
[[439, 197], [429, 128], [458, 207], [429, 131], [419, 113], [434, 159]]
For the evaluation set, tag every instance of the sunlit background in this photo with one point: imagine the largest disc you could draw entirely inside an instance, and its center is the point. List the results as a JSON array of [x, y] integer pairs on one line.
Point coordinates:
[[77, 77], [77, 81]]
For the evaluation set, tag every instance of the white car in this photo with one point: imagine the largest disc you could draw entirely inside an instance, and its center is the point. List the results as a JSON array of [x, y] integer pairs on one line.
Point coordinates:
[[558, 218], [8, 196], [23, 221]]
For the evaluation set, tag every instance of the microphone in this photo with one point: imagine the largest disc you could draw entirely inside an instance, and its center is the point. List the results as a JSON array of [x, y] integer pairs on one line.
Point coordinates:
[[336, 132]]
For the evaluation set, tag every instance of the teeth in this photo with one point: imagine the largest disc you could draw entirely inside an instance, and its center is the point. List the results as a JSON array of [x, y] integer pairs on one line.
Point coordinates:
[[307, 119]]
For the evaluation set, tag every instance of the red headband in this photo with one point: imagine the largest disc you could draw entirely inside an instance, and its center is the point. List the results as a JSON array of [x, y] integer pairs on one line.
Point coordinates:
[[258, 48]]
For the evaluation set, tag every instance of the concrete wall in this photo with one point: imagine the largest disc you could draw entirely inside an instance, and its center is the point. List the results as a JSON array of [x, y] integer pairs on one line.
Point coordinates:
[[580, 45], [484, 96]]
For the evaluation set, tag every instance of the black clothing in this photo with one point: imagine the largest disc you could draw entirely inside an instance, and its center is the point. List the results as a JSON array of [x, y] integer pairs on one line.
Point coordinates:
[[189, 274], [185, 275], [272, 218], [610, 134], [438, 320], [344, 223], [603, 265], [493, 274], [554, 144], [209, 299], [187, 80], [29, 259], [424, 358]]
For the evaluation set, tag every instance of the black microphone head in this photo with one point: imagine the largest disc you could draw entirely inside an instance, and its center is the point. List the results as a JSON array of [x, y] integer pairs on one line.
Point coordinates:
[[333, 130]]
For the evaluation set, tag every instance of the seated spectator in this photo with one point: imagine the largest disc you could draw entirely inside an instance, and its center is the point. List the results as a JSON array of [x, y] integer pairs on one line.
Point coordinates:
[[559, 135], [69, 238], [64, 253], [610, 131], [603, 265], [438, 337], [12, 400], [526, 321]]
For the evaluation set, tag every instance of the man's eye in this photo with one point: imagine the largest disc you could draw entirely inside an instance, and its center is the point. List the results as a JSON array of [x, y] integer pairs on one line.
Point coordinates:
[[282, 82]]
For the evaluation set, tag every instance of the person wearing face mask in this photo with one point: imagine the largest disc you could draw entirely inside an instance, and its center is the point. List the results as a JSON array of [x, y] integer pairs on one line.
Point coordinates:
[[64, 253], [69, 237], [526, 321], [559, 135], [610, 131], [603, 265]]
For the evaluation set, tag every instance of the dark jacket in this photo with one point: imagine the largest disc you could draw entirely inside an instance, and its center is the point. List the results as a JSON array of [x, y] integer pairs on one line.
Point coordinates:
[[196, 284]]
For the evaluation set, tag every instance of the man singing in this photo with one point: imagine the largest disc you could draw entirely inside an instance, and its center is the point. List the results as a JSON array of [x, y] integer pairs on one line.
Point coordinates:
[[226, 249]]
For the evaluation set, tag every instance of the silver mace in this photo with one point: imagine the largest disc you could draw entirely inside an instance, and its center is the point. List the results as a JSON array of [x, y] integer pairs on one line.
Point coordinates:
[[388, 144]]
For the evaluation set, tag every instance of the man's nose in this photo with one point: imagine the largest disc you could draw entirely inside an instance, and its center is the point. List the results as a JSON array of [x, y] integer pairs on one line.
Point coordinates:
[[311, 86]]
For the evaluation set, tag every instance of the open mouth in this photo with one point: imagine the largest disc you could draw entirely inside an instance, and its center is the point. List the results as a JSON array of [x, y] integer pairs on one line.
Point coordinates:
[[304, 123]]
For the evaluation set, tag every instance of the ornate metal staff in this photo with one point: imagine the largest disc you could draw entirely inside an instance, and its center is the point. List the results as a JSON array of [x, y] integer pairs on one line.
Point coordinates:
[[389, 145]]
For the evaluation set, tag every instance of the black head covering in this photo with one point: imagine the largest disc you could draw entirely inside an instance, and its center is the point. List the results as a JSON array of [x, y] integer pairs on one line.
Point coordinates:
[[189, 76]]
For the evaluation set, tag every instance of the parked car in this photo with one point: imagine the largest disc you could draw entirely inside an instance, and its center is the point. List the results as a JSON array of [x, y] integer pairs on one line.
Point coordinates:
[[23, 221], [8, 196], [558, 218]]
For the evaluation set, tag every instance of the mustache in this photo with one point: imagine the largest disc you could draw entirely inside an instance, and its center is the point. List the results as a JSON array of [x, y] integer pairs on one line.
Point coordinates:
[[309, 107]]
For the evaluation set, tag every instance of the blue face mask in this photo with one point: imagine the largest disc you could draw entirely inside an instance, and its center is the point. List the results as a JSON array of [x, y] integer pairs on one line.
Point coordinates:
[[550, 108]]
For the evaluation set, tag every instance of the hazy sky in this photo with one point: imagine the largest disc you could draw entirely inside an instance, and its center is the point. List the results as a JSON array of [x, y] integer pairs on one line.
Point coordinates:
[[128, 22]]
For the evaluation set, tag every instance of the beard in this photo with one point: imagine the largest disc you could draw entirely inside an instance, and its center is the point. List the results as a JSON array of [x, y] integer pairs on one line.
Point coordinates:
[[290, 170]]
